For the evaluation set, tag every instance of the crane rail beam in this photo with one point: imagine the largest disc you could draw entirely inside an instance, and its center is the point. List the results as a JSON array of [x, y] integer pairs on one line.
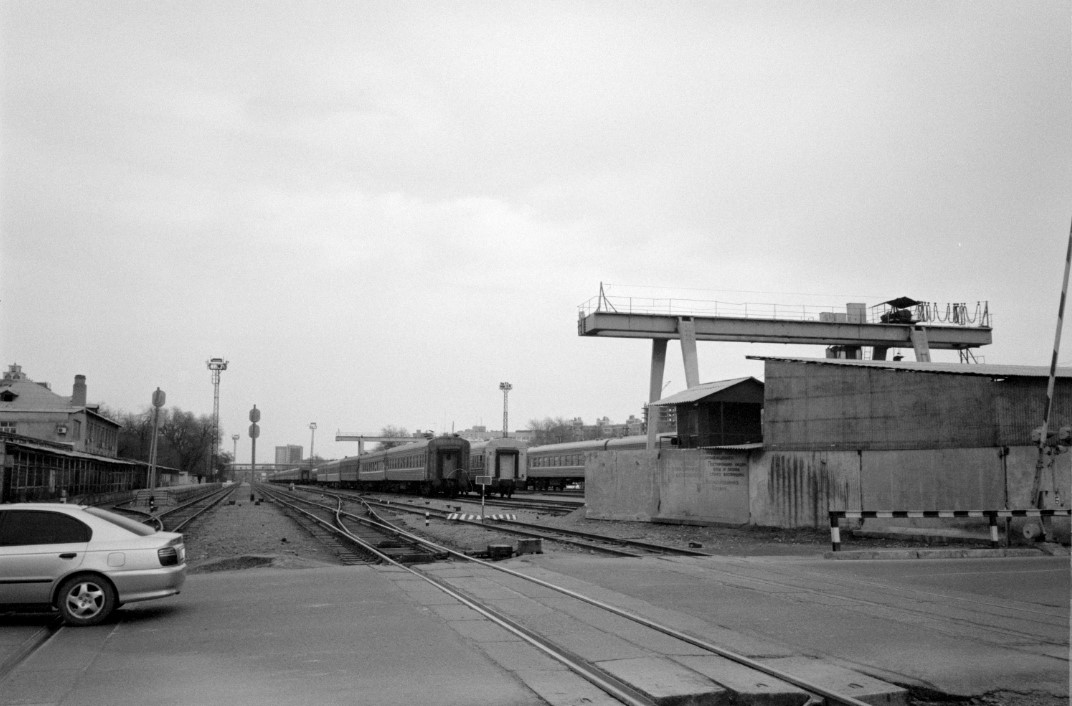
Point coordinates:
[[716, 328]]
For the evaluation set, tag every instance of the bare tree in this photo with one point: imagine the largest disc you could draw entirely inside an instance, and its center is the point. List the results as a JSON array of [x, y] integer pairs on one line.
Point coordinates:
[[552, 431], [186, 441], [392, 431]]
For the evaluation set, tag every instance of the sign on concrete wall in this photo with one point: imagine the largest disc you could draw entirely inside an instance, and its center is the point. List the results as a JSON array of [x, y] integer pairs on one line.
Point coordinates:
[[704, 486], [685, 485]]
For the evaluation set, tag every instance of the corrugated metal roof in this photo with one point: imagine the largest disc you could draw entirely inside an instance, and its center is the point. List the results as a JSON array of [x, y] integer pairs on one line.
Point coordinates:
[[997, 371], [699, 392], [67, 452]]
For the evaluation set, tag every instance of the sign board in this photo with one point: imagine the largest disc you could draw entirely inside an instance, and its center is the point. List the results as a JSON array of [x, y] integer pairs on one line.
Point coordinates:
[[482, 480]]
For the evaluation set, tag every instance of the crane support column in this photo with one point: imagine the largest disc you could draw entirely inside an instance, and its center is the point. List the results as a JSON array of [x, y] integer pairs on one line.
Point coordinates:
[[920, 344], [655, 388], [686, 326]]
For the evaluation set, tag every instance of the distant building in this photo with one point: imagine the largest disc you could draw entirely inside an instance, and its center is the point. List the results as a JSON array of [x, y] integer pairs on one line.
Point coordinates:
[[665, 418], [31, 409], [285, 455]]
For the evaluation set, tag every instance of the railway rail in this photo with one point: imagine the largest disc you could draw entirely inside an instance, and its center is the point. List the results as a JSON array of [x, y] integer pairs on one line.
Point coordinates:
[[612, 684], [178, 518], [591, 541], [349, 541]]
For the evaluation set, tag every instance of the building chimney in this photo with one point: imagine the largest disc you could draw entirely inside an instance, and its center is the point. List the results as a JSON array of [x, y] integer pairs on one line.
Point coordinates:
[[78, 396]]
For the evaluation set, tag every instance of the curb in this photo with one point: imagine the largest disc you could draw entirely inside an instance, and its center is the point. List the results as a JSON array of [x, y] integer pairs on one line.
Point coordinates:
[[935, 553]]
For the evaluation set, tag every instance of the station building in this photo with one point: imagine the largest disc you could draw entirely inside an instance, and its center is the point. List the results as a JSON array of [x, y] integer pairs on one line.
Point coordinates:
[[53, 446], [32, 409], [844, 434]]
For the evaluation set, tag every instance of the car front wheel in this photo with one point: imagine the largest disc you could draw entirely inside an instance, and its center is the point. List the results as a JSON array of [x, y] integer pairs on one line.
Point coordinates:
[[86, 600]]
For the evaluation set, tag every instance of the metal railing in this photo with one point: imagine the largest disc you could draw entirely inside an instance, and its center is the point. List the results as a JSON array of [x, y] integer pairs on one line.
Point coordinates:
[[931, 313]]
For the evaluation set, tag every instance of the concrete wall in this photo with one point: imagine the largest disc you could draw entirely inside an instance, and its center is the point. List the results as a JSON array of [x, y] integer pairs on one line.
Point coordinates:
[[799, 488], [621, 485], [686, 485]]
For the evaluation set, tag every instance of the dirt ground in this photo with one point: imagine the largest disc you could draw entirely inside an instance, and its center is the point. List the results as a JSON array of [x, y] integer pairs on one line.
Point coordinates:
[[248, 534]]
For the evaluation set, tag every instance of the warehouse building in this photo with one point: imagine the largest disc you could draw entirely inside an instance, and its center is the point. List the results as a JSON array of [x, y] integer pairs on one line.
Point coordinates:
[[842, 434]]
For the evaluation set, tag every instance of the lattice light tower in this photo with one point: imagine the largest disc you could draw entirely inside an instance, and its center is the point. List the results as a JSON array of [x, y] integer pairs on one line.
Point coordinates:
[[216, 365], [506, 387]]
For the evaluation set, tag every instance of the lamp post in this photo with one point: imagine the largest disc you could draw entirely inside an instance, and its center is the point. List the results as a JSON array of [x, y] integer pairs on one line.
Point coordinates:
[[506, 387], [312, 438]]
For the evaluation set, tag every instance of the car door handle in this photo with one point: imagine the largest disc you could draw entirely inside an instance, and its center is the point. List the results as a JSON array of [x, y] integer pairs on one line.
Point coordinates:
[[68, 555]]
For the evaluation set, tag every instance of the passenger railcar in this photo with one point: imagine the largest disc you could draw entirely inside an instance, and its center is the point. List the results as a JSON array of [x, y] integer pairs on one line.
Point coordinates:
[[554, 466], [296, 475], [437, 466], [504, 460]]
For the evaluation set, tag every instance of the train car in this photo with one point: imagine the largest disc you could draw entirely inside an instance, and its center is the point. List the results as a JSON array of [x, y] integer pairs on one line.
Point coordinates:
[[328, 474], [436, 466], [504, 460], [288, 475], [555, 466], [299, 475]]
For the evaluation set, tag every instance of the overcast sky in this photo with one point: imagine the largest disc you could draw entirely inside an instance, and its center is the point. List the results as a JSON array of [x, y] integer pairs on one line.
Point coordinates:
[[378, 211]]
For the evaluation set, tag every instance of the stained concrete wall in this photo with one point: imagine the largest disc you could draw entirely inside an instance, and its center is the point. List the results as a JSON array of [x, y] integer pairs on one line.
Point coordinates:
[[799, 488]]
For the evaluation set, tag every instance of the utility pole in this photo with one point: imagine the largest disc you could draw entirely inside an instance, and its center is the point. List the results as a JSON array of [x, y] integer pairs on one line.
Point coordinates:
[[216, 365], [312, 438], [506, 387]]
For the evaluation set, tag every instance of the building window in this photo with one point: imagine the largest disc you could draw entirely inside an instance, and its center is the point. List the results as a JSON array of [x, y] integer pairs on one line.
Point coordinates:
[[7, 427]]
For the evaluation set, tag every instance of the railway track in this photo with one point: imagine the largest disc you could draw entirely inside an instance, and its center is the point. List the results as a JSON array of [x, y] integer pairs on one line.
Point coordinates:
[[604, 544], [349, 541], [753, 677], [180, 517]]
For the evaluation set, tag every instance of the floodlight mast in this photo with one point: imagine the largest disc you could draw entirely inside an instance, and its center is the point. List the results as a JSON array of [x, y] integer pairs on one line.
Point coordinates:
[[216, 365], [506, 387]]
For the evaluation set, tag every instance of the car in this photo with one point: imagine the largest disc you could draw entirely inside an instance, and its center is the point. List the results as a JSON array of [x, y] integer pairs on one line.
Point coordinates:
[[83, 561]]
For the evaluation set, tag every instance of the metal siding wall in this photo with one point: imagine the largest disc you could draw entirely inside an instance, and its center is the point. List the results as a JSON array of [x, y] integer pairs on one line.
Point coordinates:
[[1019, 404], [817, 407]]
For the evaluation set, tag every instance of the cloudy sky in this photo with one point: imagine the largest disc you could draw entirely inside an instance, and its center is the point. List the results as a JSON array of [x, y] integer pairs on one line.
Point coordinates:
[[377, 211]]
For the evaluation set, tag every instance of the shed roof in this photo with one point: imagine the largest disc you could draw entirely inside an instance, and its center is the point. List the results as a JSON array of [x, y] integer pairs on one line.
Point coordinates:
[[987, 370], [10, 439], [701, 391]]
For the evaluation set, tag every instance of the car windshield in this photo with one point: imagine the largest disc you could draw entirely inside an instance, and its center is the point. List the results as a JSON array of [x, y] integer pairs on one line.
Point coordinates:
[[124, 522]]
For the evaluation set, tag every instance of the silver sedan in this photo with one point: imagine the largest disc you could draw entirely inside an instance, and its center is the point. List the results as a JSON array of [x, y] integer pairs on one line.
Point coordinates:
[[83, 561]]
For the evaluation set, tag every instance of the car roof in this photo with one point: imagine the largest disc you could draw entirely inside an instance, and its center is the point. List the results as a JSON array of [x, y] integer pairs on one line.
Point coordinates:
[[43, 506]]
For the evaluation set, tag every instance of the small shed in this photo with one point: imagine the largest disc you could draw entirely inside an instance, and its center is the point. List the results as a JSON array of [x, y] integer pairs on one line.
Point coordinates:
[[722, 413]]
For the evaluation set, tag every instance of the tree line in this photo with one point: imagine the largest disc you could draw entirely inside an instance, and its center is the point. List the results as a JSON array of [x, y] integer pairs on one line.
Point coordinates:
[[184, 440]]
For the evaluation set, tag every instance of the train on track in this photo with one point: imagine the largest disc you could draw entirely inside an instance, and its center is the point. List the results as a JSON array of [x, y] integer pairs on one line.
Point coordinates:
[[449, 465]]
